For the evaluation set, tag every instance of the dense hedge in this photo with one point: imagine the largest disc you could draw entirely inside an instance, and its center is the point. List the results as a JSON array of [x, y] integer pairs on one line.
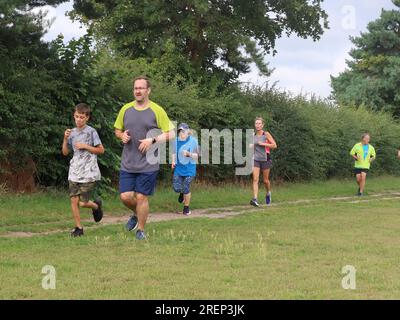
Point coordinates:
[[314, 136]]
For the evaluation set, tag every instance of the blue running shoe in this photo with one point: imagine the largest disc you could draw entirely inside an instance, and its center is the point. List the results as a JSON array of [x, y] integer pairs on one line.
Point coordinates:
[[268, 198], [140, 235], [132, 223]]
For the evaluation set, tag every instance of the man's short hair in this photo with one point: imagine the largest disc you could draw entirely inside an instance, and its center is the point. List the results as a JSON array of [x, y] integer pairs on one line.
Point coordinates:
[[142, 78]]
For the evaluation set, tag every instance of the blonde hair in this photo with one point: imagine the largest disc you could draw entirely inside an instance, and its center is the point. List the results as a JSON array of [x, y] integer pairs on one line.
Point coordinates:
[[261, 119]]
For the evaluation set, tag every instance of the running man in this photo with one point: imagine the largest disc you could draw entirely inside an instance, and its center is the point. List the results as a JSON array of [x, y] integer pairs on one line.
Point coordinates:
[[363, 154], [263, 143], [135, 122]]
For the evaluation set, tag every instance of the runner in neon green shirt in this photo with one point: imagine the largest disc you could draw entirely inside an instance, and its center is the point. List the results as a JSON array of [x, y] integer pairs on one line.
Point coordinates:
[[363, 154]]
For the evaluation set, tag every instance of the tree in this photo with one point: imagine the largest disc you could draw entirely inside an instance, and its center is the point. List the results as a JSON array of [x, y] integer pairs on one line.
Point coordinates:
[[373, 77], [39, 84], [213, 35]]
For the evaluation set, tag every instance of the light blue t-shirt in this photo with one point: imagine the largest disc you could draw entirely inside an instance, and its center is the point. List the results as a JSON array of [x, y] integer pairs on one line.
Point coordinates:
[[186, 166], [365, 149]]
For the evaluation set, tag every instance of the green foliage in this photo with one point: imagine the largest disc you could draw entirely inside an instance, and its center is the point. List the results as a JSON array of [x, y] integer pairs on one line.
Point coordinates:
[[373, 76], [41, 82], [314, 137], [205, 32]]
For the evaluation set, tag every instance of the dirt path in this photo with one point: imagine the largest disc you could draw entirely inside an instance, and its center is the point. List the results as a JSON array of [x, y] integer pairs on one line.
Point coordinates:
[[211, 212]]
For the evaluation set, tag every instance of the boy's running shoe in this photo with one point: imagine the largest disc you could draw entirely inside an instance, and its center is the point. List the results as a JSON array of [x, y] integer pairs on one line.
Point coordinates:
[[140, 235], [254, 203], [268, 198], [132, 223], [98, 213], [180, 198], [77, 232], [186, 211]]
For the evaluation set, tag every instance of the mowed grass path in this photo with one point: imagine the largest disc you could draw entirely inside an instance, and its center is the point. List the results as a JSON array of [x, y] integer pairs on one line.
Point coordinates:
[[290, 251]]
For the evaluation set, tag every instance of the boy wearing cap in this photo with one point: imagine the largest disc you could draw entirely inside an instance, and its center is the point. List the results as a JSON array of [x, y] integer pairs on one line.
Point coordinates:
[[184, 165]]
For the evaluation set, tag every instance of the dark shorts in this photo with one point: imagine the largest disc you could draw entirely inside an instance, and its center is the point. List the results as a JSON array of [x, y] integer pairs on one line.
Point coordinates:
[[182, 184], [83, 190], [359, 171], [143, 182], [263, 164]]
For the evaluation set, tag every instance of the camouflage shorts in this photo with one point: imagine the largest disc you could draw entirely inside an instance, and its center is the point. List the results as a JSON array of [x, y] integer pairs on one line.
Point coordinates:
[[84, 190]]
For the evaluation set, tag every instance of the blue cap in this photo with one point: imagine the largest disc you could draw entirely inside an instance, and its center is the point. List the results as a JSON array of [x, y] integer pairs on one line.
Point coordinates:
[[183, 126]]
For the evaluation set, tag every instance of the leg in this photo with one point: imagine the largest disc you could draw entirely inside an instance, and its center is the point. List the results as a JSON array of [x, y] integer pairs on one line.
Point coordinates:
[[129, 200], [186, 199], [266, 180], [256, 176], [177, 183], [358, 178], [75, 211], [88, 204], [363, 177], [142, 210], [186, 190]]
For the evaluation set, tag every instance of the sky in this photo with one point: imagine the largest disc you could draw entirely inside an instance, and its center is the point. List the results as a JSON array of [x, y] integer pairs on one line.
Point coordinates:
[[301, 66]]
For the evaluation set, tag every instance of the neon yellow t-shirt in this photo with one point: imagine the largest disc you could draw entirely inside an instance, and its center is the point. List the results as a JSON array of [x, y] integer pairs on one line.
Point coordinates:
[[364, 159]]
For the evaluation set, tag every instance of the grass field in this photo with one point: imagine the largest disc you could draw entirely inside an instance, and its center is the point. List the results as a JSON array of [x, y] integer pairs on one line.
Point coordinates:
[[286, 251]]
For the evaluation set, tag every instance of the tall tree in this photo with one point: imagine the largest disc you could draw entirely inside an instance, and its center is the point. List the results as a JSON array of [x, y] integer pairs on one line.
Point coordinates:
[[214, 35], [373, 75]]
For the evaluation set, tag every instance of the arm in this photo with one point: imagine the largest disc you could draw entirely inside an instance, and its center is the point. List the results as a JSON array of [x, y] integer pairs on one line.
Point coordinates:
[[95, 150], [65, 148], [165, 136], [272, 144], [162, 138], [122, 135], [353, 153], [193, 155], [373, 156], [173, 164]]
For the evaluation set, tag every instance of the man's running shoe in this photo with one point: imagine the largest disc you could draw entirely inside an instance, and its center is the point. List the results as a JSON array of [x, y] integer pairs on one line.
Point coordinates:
[[180, 198], [132, 223], [98, 213], [254, 203], [77, 232], [140, 235], [268, 198]]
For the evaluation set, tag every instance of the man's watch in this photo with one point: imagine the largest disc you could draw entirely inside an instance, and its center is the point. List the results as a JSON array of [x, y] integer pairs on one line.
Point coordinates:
[[154, 141]]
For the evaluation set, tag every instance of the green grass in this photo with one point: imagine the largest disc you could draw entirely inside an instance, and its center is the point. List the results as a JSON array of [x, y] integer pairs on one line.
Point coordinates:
[[46, 211], [283, 252]]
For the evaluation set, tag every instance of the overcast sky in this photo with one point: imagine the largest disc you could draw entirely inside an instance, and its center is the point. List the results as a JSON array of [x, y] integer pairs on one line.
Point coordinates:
[[301, 66]]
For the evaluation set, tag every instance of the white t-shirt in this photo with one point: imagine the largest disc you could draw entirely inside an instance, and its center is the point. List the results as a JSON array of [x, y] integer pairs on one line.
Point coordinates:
[[83, 165]]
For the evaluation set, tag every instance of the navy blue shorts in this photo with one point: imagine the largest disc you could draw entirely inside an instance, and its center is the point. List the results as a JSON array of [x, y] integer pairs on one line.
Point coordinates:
[[144, 182]]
